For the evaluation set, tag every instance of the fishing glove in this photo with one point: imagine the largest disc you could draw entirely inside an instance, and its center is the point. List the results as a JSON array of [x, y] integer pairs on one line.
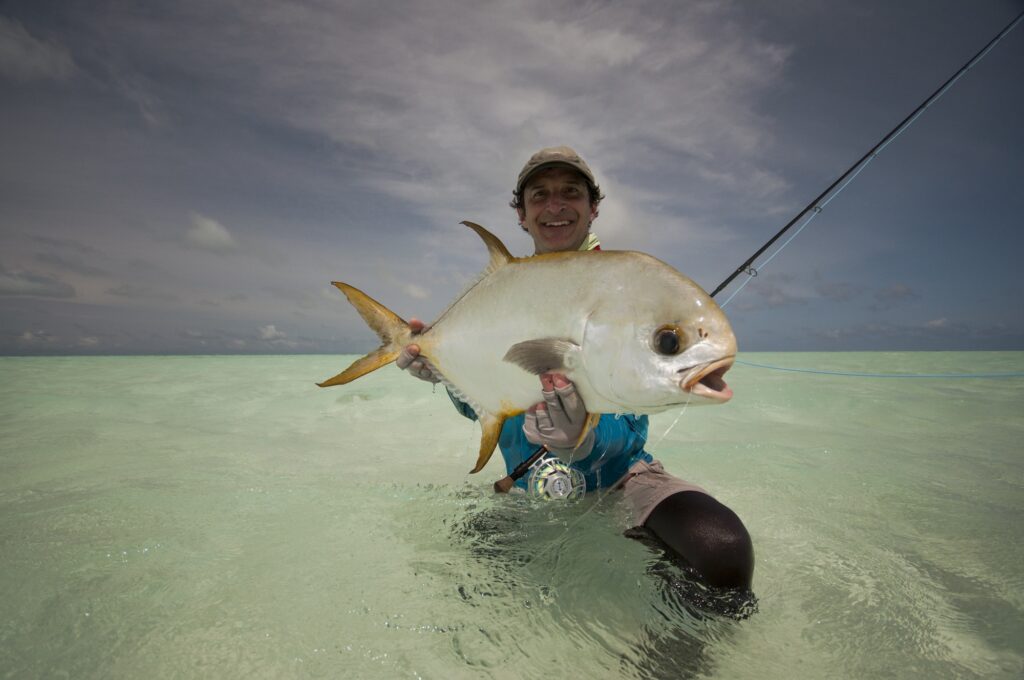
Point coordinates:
[[558, 420], [412, 362]]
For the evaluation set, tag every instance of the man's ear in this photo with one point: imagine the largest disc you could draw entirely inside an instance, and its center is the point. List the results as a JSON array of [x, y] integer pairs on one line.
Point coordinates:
[[522, 218], [593, 212]]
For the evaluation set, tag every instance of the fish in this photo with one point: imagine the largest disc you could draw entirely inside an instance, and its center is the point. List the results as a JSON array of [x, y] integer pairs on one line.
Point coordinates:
[[631, 332]]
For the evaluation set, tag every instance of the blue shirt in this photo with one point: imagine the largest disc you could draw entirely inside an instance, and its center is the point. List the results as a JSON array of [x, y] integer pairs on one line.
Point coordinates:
[[618, 443]]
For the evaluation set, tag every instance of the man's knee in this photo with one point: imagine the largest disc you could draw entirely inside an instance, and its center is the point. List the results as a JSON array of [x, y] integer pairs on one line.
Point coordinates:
[[708, 535]]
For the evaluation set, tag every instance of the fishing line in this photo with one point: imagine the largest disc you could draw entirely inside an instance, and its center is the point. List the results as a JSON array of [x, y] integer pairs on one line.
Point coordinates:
[[665, 433], [856, 374], [602, 496], [818, 204]]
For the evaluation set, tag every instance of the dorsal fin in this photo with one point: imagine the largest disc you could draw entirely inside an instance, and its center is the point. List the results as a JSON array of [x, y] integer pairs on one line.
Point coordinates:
[[499, 253], [499, 258]]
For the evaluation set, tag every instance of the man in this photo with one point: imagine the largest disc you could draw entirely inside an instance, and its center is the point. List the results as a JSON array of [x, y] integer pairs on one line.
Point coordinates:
[[556, 199]]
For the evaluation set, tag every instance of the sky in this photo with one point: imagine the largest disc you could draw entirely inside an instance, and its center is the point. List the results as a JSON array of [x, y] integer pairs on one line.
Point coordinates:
[[189, 177]]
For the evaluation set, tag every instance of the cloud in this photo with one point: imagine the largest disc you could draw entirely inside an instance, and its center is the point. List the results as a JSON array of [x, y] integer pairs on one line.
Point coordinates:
[[416, 291], [140, 292], [25, 58], [70, 263], [837, 291], [782, 290], [891, 296], [141, 93], [36, 337], [68, 244], [896, 291], [434, 100], [271, 333], [23, 283], [210, 235]]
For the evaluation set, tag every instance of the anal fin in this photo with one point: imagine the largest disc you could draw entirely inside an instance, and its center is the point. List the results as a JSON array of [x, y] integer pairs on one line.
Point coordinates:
[[489, 439]]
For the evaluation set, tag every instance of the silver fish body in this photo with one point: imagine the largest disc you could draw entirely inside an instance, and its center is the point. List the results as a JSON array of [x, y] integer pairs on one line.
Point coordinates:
[[632, 333]]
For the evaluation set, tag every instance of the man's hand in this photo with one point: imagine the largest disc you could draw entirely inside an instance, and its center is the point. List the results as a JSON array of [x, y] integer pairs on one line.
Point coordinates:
[[409, 360], [558, 421]]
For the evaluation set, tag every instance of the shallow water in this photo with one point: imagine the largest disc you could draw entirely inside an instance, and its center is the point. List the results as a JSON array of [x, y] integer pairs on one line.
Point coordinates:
[[223, 517]]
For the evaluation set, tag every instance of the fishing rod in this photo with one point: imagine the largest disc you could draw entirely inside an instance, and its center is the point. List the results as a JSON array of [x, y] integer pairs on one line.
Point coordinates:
[[815, 206]]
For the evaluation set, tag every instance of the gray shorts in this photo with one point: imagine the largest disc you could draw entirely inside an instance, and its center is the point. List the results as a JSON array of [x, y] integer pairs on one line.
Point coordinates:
[[646, 485]]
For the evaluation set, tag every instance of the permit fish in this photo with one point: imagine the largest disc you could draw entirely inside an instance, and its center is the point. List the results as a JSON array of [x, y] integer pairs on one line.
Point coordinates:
[[632, 333]]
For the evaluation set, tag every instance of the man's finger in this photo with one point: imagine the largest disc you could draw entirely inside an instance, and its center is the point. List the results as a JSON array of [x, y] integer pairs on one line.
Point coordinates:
[[544, 423], [571, 402], [407, 355], [559, 380]]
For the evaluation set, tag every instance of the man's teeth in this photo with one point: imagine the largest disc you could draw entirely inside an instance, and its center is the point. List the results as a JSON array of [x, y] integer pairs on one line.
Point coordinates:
[[557, 224]]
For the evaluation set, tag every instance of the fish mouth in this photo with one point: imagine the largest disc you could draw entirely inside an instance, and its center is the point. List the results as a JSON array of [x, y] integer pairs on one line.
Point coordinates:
[[707, 381]]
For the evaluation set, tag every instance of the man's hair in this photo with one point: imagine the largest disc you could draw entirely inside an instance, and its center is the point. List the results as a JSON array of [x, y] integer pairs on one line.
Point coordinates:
[[592, 189]]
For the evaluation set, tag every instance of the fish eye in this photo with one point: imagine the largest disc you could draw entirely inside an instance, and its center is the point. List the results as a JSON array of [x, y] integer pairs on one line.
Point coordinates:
[[667, 340]]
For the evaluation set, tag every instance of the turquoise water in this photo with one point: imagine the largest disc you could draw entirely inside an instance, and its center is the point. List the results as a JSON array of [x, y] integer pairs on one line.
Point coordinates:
[[223, 517]]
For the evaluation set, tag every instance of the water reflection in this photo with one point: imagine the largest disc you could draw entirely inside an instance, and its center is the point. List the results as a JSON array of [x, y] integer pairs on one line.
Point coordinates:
[[573, 584]]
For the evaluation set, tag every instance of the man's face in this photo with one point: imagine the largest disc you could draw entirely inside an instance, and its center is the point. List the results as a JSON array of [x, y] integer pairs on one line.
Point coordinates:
[[556, 209]]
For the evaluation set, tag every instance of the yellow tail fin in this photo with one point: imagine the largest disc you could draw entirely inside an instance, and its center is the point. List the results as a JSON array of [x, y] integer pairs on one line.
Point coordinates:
[[392, 330]]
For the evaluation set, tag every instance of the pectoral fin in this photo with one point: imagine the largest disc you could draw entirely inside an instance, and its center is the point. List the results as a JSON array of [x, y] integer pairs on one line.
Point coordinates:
[[543, 355], [489, 439]]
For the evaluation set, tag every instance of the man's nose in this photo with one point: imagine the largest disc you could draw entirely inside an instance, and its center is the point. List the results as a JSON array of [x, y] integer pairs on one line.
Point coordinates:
[[555, 203]]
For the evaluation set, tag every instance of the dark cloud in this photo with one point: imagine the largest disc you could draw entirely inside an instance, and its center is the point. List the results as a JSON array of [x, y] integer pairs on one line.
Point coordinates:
[[892, 296], [837, 291], [24, 283], [141, 292], [200, 147], [934, 334], [70, 263], [66, 244], [24, 57]]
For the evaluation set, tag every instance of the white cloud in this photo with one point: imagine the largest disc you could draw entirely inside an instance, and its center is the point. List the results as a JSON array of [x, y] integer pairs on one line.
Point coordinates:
[[209, 234], [23, 57], [416, 291], [938, 323], [271, 333], [36, 337]]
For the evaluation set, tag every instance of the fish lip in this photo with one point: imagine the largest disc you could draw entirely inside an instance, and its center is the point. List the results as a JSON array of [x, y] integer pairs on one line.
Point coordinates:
[[692, 383]]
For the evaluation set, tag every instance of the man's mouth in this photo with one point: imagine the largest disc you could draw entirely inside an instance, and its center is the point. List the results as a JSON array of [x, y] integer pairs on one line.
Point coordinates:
[[556, 224]]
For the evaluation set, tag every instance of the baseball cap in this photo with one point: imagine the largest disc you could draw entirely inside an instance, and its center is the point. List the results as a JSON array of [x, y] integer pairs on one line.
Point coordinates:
[[554, 155]]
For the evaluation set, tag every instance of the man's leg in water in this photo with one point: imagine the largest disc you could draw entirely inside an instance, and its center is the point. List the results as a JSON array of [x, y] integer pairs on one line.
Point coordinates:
[[708, 535]]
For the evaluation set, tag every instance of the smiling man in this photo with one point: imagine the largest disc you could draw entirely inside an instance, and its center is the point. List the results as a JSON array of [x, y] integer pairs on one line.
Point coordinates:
[[556, 199], [554, 202]]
